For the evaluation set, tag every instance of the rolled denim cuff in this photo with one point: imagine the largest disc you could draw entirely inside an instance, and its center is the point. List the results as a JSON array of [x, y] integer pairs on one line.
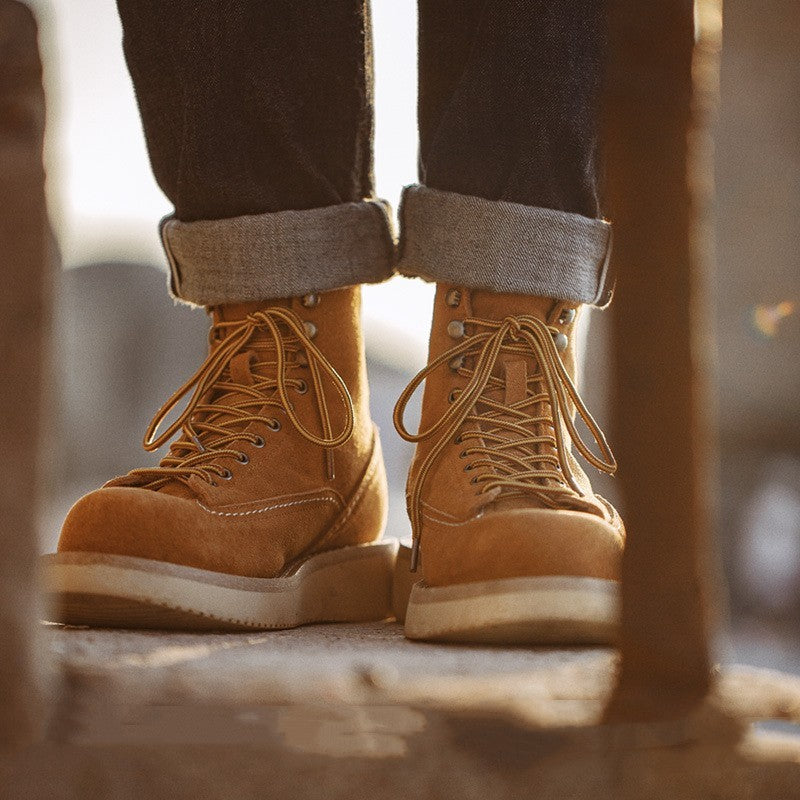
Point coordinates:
[[504, 247], [280, 254]]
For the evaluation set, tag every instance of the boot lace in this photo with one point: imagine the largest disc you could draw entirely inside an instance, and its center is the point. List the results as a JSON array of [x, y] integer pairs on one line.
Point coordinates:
[[222, 408], [522, 443]]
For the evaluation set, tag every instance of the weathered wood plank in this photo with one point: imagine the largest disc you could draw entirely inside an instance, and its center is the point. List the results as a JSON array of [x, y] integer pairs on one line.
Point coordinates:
[[24, 258], [659, 89]]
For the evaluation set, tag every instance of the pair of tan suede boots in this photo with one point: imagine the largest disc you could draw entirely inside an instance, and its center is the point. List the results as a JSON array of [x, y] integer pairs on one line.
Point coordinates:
[[268, 510]]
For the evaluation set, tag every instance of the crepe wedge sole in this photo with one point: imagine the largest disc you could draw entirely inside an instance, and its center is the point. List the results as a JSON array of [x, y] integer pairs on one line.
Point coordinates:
[[551, 610], [351, 584]]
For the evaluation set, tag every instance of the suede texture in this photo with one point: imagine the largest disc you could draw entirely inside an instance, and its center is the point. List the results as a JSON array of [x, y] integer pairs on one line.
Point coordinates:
[[278, 508], [466, 535]]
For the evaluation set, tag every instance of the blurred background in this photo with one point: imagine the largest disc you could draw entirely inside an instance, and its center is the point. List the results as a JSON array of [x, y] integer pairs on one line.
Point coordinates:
[[120, 345]]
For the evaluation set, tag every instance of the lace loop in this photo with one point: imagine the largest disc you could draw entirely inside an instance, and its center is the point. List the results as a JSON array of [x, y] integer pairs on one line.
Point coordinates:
[[522, 335]]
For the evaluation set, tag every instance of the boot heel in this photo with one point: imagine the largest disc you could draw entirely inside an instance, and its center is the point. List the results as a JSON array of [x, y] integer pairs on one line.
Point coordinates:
[[403, 580], [353, 584]]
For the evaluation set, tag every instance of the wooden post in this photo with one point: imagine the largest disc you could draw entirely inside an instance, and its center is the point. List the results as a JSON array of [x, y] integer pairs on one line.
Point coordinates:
[[660, 86], [24, 258]]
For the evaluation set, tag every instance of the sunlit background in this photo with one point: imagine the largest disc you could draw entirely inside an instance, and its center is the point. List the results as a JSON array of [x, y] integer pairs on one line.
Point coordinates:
[[104, 201], [121, 345]]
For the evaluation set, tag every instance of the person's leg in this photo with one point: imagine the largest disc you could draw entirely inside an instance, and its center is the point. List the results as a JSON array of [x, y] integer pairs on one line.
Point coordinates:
[[251, 107], [254, 111], [512, 542], [508, 113], [258, 119], [508, 100]]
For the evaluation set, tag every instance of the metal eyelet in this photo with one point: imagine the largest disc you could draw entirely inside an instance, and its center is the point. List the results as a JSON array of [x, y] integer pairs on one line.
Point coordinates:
[[459, 439], [462, 454], [468, 468], [311, 329], [567, 316], [455, 329], [310, 300], [302, 387], [451, 398], [561, 341], [457, 362], [274, 425], [258, 442], [227, 475], [453, 298], [474, 480], [243, 458], [213, 483]]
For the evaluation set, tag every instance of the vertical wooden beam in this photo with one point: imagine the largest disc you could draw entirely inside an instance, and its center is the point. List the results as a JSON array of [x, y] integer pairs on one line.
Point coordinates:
[[659, 88], [24, 257]]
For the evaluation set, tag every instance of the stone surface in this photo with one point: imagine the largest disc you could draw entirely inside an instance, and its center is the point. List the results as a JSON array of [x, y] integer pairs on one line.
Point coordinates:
[[367, 663], [351, 711], [334, 663]]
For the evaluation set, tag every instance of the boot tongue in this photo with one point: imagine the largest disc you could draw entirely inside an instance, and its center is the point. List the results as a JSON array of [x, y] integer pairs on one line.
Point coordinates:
[[495, 306], [234, 312], [514, 370]]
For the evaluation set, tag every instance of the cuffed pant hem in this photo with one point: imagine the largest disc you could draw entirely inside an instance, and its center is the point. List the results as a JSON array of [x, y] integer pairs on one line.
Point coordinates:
[[280, 254], [504, 247]]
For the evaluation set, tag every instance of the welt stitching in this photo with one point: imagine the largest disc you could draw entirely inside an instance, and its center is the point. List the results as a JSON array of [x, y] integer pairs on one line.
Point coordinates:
[[448, 524], [268, 508]]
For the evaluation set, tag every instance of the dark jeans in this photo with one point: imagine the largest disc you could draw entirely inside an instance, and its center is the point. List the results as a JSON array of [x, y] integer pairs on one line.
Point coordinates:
[[252, 106]]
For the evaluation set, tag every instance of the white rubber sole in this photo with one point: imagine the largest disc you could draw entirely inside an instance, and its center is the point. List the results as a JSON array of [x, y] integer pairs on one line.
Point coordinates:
[[552, 610], [351, 584]]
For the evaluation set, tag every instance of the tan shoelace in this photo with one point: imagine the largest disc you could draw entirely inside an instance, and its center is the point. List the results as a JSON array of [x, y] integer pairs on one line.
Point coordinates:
[[215, 418], [545, 474]]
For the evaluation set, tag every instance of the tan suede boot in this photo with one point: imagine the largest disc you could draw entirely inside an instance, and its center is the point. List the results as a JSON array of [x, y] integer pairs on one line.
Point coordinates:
[[268, 509], [512, 543]]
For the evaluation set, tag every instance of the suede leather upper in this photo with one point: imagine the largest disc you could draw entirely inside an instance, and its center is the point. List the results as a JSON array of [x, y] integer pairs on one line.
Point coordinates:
[[467, 534], [284, 503]]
